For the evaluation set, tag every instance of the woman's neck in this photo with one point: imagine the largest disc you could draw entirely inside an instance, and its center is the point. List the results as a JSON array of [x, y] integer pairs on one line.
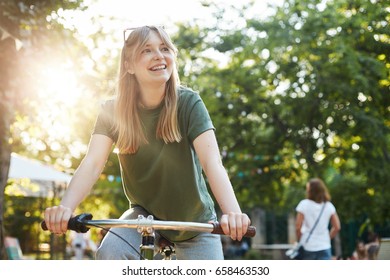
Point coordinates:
[[151, 98]]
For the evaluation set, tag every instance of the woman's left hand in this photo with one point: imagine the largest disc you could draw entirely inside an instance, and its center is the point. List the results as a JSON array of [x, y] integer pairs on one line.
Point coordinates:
[[235, 224]]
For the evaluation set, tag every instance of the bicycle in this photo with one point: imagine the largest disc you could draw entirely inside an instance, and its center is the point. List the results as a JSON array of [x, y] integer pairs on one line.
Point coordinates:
[[146, 226]]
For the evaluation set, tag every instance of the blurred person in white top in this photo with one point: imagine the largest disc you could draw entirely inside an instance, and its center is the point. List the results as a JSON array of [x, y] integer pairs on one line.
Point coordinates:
[[319, 245]]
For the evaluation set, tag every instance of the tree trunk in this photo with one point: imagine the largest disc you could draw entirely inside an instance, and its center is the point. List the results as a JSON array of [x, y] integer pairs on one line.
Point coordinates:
[[5, 158], [8, 58]]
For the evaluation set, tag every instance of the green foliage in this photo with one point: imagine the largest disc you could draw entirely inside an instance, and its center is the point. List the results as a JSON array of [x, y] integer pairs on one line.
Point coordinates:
[[22, 218], [107, 200], [304, 93], [38, 54]]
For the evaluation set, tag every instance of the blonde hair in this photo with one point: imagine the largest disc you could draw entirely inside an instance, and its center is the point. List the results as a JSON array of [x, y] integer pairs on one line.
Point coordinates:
[[128, 124]]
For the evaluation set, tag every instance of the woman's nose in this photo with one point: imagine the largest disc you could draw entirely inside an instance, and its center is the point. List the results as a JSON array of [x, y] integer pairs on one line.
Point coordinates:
[[158, 55]]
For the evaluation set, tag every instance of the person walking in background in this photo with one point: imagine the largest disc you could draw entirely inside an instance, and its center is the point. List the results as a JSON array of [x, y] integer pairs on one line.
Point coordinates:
[[316, 206], [166, 141]]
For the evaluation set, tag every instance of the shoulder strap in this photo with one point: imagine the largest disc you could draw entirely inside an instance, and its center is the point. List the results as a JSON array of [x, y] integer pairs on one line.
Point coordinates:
[[315, 224]]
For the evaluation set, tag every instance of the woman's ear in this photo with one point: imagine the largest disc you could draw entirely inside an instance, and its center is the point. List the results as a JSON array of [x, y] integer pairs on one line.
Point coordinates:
[[128, 68]]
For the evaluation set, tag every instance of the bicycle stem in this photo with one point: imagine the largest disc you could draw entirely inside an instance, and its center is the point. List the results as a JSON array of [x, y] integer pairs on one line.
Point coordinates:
[[147, 232], [147, 246]]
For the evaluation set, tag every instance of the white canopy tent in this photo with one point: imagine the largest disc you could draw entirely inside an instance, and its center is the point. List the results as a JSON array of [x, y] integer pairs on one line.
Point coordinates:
[[32, 178], [44, 180]]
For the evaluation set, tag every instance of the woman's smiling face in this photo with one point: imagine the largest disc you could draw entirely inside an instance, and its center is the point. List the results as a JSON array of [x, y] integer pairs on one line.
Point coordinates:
[[154, 62]]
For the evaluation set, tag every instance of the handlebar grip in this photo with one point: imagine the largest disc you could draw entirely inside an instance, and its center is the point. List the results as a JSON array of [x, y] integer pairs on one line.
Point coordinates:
[[44, 226], [251, 232], [75, 223]]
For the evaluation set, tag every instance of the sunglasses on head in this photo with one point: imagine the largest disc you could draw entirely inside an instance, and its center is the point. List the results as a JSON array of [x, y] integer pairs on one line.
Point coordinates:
[[127, 31]]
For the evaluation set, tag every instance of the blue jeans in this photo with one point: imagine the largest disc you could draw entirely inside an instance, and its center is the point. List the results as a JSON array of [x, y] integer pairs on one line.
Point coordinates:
[[318, 255], [205, 246]]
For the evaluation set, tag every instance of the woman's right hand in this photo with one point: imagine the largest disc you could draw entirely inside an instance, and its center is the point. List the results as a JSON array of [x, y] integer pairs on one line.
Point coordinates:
[[57, 217]]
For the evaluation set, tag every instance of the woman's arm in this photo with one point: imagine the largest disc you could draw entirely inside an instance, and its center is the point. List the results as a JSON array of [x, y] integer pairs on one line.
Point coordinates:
[[84, 178], [336, 225], [298, 225], [233, 221]]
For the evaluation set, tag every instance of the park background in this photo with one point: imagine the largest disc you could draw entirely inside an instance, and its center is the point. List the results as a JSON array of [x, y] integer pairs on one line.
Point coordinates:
[[298, 89]]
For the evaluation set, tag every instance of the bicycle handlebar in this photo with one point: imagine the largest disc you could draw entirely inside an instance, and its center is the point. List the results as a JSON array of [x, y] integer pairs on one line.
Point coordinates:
[[82, 223]]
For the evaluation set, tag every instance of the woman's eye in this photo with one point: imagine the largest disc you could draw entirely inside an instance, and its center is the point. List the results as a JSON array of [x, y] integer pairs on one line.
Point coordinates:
[[165, 49], [146, 51]]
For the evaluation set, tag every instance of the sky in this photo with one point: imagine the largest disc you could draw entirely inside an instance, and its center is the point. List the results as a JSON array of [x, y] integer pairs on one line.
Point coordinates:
[[111, 17], [129, 13], [145, 11]]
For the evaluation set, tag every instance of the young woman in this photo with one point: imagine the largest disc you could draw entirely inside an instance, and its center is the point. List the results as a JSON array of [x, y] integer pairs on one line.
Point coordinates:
[[308, 210], [166, 141]]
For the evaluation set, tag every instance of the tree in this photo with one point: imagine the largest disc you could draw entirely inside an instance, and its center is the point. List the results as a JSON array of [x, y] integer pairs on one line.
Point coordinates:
[[331, 62], [27, 31], [302, 93]]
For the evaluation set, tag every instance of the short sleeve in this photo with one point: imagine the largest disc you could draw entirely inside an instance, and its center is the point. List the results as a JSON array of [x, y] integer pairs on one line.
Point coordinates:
[[105, 120], [199, 119], [332, 208], [301, 207]]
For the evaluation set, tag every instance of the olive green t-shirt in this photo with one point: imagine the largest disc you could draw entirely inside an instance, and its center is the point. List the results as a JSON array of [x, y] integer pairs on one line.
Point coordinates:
[[166, 179]]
